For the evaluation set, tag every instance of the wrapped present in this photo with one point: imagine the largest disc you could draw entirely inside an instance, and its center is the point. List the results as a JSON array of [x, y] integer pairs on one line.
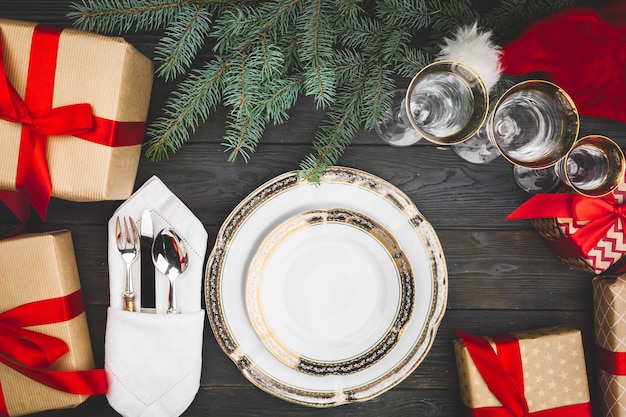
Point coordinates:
[[46, 361], [537, 372], [73, 107], [609, 300], [587, 234]]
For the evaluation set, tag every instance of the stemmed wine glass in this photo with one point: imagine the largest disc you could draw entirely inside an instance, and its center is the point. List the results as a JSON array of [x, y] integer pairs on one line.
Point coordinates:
[[533, 125], [594, 167], [446, 102]]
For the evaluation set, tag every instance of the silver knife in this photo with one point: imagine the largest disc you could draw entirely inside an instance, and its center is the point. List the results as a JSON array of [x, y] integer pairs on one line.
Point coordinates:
[[147, 267]]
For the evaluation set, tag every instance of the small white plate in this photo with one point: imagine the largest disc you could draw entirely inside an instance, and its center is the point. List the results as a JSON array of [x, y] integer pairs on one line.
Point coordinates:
[[329, 292], [256, 217]]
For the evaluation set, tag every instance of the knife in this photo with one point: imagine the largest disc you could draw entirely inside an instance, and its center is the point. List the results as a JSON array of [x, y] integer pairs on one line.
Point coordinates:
[[147, 267]]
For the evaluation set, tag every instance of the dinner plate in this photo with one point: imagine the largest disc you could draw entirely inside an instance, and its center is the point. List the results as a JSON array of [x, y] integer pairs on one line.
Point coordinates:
[[329, 292], [261, 212]]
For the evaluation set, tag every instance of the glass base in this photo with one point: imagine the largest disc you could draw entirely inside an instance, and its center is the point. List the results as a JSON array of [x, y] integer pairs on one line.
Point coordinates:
[[536, 181], [478, 149], [395, 128]]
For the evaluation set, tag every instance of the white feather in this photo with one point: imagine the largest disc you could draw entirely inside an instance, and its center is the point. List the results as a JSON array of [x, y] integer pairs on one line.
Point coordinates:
[[476, 50]]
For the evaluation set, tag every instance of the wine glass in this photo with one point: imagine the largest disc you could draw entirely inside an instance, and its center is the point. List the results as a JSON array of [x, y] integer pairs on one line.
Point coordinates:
[[395, 128], [533, 125], [446, 102], [594, 167]]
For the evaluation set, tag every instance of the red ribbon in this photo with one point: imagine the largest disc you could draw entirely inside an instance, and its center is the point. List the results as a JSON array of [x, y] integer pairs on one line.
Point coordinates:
[[601, 213], [39, 120], [612, 362], [503, 374], [31, 353]]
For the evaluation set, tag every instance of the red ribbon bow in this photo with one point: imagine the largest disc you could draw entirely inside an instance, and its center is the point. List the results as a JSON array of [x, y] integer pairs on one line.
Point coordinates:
[[601, 213], [504, 376], [31, 353], [39, 120]]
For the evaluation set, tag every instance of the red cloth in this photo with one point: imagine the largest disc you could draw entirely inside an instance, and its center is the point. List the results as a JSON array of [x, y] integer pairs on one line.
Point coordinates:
[[581, 50]]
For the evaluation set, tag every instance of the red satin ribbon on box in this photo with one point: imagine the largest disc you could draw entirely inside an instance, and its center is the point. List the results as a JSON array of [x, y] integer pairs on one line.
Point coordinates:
[[612, 362], [601, 213], [31, 353], [503, 374], [39, 120]]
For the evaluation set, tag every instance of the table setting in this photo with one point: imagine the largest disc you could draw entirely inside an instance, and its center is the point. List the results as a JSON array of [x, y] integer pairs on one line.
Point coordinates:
[[465, 255]]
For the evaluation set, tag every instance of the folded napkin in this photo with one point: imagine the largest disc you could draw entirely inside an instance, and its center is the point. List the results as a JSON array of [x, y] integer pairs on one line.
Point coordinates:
[[154, 360]]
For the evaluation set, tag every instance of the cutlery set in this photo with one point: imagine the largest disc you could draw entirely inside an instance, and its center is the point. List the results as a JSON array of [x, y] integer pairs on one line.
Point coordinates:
[[164, 251]]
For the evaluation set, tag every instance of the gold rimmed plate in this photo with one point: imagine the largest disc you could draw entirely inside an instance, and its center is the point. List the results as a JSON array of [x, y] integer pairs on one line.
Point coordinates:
[[260, 213], [329, 292]]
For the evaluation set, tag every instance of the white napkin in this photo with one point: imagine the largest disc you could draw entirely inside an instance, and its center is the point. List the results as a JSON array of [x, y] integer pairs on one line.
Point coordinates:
[[154, 360]]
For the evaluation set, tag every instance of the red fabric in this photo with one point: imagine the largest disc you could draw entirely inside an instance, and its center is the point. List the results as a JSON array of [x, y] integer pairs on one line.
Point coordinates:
[[503, 374], [602, 213], [581, 50], [31, 353], [612, 362], [39, 120]]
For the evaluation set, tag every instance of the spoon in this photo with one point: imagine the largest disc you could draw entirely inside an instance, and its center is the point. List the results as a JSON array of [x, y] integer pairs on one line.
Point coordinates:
[[170, 257]]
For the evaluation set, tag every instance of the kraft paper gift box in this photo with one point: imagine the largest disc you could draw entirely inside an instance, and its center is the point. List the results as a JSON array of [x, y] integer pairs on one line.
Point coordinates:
[[586, 234], [542, 370], [609, 299], [105, 82], [42, 320]]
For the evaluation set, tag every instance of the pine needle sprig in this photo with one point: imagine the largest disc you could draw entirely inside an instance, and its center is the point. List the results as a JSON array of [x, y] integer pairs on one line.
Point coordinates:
[[182, 39], [190, 104], [109, 16], [512, 16]]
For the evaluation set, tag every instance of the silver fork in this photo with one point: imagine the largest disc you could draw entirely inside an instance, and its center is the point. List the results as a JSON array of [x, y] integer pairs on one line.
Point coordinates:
[[127, 244]]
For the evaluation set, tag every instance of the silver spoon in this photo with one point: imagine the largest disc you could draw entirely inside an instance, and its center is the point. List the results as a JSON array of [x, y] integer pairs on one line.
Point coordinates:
[[170, 257]]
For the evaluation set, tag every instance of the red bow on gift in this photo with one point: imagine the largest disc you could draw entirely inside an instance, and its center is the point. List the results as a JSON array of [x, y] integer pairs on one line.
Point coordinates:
[[31, 353], [600, 213], [39, 120], [504, 376]]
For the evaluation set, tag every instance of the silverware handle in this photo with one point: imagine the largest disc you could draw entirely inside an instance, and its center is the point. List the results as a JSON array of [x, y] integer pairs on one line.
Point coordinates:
[[129, 303], [129, 292]]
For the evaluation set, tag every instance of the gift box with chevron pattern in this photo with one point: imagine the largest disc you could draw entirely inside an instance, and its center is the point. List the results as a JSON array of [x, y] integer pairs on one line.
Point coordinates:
[[607, 253]]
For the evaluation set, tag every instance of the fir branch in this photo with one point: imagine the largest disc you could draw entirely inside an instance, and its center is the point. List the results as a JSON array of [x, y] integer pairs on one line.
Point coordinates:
[[512, 16], [336, 135], [190, 104], [182, 40], [450, 15], [108, 16], [404, 13], [315, 48]]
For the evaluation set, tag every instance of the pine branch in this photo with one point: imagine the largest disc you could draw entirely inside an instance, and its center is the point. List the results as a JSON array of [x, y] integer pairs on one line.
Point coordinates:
[[182, 40], [344, 122], [108, 16], [315, 48], [190, 104], [512, 16]]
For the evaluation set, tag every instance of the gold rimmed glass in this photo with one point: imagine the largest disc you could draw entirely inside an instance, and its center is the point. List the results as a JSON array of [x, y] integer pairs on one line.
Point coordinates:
[[446, 103], [594, 167], [533, 125]]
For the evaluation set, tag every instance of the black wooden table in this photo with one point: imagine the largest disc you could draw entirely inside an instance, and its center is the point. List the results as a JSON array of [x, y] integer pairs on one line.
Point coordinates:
[[502, 275]]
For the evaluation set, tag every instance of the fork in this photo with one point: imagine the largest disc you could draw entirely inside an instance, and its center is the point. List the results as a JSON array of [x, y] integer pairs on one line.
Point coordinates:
[[127, 244]]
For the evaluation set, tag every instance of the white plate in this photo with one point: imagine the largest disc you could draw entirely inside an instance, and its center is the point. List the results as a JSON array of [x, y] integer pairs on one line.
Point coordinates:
[[261, 212], [329, 292]]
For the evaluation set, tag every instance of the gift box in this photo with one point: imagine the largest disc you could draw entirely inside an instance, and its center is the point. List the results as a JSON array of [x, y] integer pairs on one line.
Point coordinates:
[[46, 361], [609, 300], [586, 234], [73, 113], [535, 371]]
